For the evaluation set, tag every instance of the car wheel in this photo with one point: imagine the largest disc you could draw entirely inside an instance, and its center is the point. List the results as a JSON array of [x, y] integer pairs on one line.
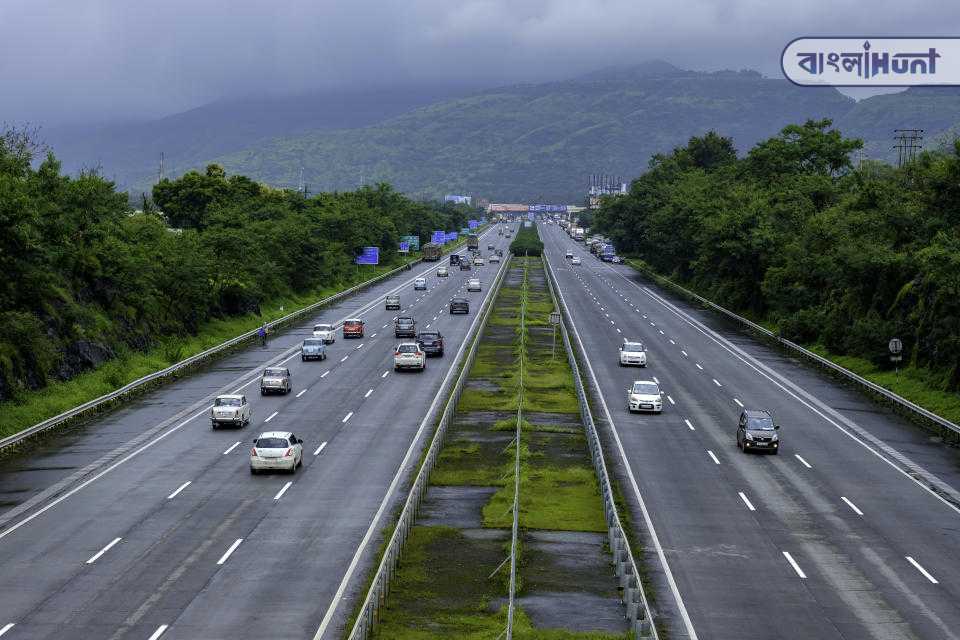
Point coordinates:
[[263, 392], [775, 451], [620, 363], [253, 471], [213, 425]]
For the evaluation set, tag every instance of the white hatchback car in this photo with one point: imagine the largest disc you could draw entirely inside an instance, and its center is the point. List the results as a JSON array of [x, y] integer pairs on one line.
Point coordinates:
[[494, 258], [473, 284], [420, 284], [644, 395], [233, 410], [478, 261], [632, 353], [276, 451], [575, 260], [443, 272], [409, 355], [325, 332]]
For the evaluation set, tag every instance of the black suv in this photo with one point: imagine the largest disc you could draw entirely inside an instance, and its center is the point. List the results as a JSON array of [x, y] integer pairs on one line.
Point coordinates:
[[431, 342], [756, 431], [465, 265], [405, 327], [459, 305], [454, 258]]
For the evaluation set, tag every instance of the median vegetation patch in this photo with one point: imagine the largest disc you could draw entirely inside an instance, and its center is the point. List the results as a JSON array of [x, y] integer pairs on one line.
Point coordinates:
[[454, 574]]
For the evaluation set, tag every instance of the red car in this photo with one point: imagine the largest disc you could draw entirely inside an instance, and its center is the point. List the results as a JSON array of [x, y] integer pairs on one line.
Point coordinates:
[[353, 328]]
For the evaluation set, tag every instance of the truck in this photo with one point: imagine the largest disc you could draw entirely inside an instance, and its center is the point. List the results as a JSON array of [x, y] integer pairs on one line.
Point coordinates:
[[578, 234], [473, 242], [607, 252], [432, 252]]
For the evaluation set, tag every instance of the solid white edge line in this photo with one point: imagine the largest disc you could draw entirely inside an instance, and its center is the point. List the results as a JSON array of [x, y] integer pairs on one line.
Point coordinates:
[[808, 400], [179, 489], [856, 510], [746, 500], [926, 574], [232, 447], [109, 546], [226, 555], [374, 524], [159, 632], [271, 416], [347, 417], [320, 448], [713, 456], [301, 393], [802, 461], [793, 563], [283, 490], [661, 555]]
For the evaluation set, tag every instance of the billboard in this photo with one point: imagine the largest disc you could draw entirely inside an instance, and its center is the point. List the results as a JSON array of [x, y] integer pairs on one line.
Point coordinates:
[[369, 255], [412, 241], [404, 247], [548, 208], [473, 224], [452, 236], [457, 199], [439, 237], [501, 208]]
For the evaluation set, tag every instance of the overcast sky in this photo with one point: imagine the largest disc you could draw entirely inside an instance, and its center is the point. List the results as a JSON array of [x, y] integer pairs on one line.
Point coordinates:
[[63, 60]]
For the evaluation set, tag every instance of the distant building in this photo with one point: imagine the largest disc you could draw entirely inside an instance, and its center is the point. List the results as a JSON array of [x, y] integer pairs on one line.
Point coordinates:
[[604, 185], [458, 199]]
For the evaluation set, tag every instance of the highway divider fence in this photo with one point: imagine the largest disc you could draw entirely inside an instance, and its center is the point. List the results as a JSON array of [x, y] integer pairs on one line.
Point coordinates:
[[379, 590], [638, 611], [945, 428]]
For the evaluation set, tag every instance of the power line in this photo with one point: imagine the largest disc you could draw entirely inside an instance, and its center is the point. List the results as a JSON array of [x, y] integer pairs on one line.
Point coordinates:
[[908, 142]]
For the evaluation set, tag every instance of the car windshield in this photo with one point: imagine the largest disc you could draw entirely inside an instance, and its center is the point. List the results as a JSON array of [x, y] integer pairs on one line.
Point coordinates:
[[633, 346], [404, 320], [352, 323], [274, 372], [646, 388], [227, 402], [322, 327], [313, 342], [459, 300], [393, 297], [407, 348], [272, 443], [760, 424]]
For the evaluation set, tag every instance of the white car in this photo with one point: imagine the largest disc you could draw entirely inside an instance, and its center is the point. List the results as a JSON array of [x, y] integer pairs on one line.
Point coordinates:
[[632, 353], [575, 260], [478, 261], [473, 284], [494, 258], [616, 259], [325, 332], [420, 284], [233, 410], [568, 255], [644, 395], [409, 355], [443, 272], [276, 451]]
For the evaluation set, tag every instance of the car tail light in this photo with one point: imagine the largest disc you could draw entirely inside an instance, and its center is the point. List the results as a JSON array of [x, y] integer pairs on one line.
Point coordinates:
[[288, 453], [253, 452], [419, 353]]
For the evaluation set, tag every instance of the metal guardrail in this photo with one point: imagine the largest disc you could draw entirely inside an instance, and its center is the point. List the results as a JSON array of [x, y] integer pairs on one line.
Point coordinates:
[[376, 597], [515, 527], [638, 611], [890, 396]]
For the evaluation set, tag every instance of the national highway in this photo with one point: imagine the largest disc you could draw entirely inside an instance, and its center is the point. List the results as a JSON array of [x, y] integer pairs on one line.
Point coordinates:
[[147, 524], [852, 531]]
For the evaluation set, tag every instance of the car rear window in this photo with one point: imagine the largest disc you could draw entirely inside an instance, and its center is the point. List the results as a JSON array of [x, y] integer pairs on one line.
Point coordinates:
[[274, 372], [633, 346], [352, 323], [313, 342], [322, 327], [227, 402], [404, 320], [272, 443], [407, 348], [428, 336]]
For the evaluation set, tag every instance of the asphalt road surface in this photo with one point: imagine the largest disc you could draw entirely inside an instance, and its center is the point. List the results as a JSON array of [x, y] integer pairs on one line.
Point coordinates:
[[852, 531], [147, 523]]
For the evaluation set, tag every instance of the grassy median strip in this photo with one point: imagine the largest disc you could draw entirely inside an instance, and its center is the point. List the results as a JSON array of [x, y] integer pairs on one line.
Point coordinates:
[[450, 583]]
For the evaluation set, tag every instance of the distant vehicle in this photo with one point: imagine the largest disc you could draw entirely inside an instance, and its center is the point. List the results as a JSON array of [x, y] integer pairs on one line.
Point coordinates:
[[275, 380], [313, 349], [616, 259], [756, 431], [473, 284], [578, 234], [232, 409], [420, 284], [473, 242], [632, 353], [568, 255], [575, 260], [494, 258], [431, 342], [409, 356], [489, 247], [432, 252], [325, 332], [391, 302], [508, 234], [443, 272], [454, 259], [405, 327], [465, 265], [459, 305], [353, 328], [644, 395], [478, 261], [276, 451]]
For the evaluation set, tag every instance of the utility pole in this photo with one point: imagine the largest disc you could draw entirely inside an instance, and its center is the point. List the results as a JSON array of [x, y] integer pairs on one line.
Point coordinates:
[[908, 142], [160, 172]]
